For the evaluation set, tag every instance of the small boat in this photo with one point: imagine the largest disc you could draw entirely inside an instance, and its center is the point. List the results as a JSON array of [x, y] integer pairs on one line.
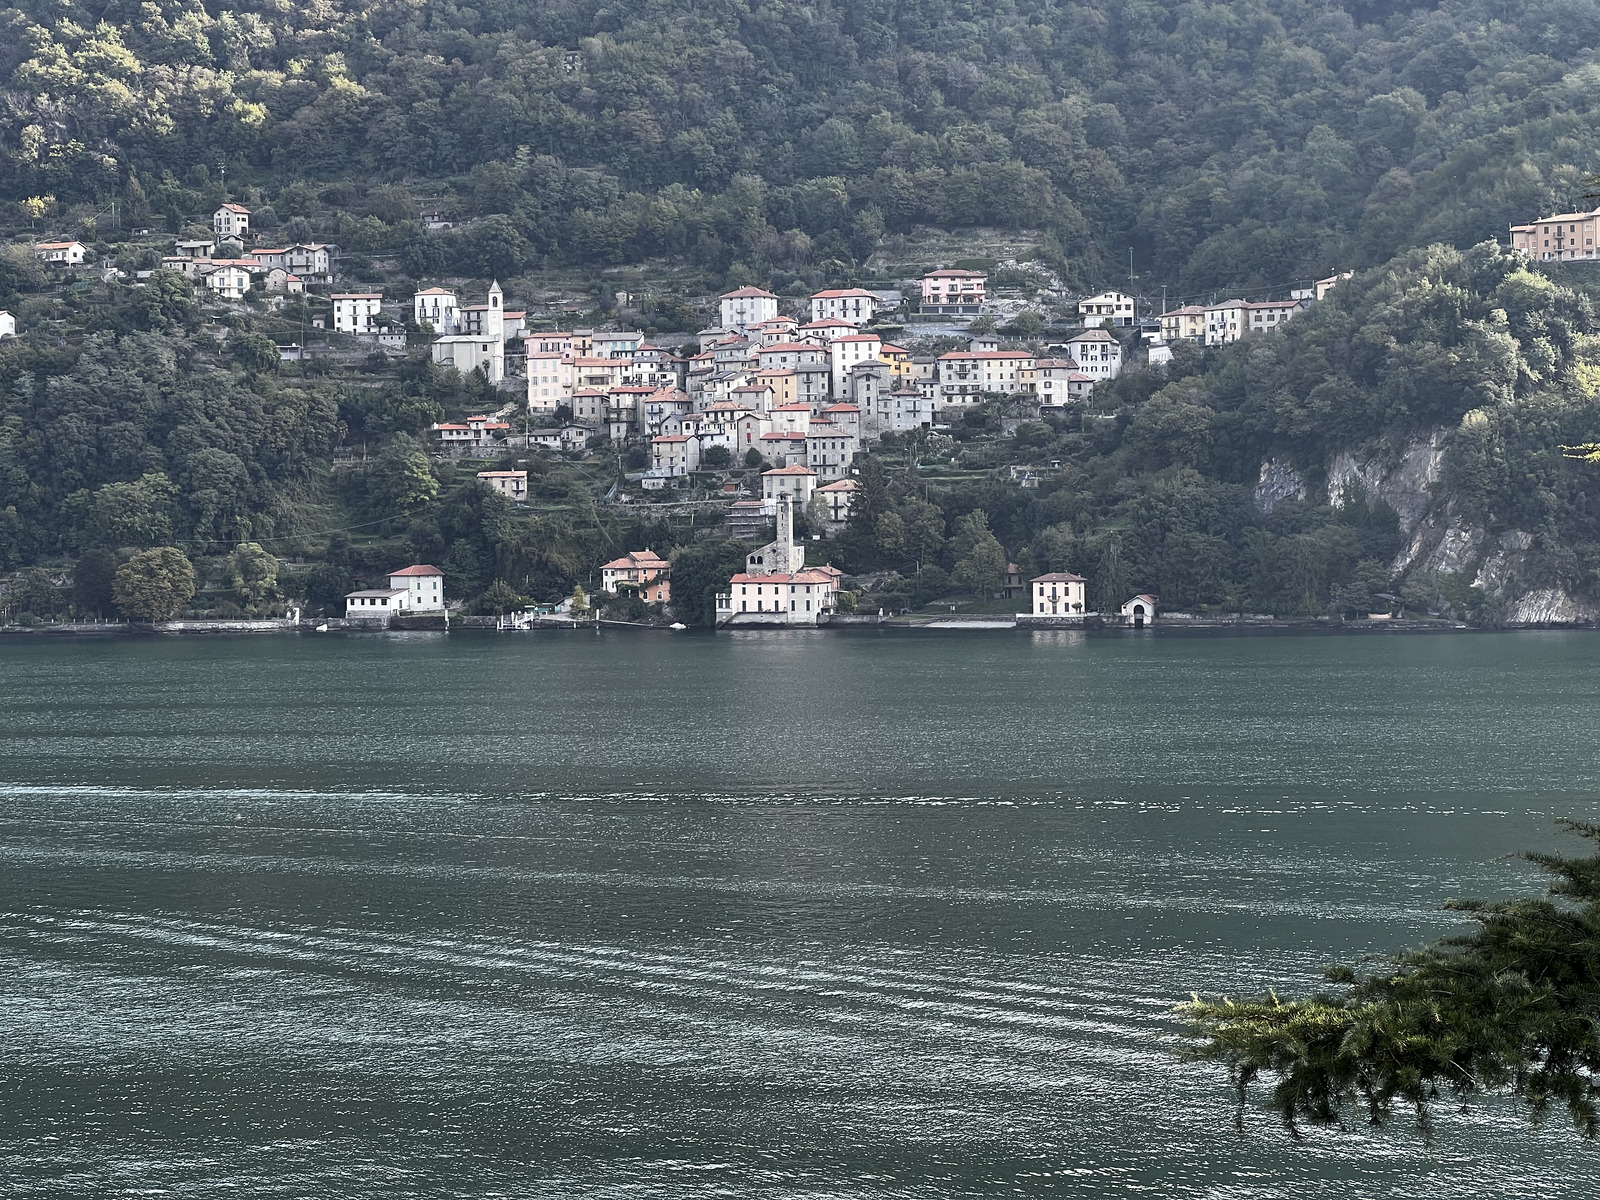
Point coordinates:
[[677, 625], [323, 628]]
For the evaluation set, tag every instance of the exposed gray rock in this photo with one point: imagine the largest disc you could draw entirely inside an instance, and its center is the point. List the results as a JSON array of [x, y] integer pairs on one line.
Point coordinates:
[[1551, 606], [1502, 567], [1402, 484], [1279, 482], [1454, 551]]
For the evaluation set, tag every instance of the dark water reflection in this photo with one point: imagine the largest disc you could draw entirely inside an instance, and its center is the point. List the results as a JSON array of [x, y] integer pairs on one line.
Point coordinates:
[[764, 915]]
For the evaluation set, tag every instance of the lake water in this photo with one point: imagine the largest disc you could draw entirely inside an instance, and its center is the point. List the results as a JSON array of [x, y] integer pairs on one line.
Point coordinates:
[[761, 915]]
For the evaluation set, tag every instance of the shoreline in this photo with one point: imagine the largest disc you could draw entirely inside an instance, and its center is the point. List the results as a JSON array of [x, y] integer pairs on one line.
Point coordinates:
[[954, 624]]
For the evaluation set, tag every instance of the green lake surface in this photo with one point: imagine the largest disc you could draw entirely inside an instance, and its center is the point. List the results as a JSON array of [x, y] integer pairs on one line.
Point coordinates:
[[768, 914]]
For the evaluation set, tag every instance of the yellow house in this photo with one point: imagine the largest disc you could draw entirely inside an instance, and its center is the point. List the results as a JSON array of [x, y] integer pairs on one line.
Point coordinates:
[[1186, 322], [782, 383], [899, 361]]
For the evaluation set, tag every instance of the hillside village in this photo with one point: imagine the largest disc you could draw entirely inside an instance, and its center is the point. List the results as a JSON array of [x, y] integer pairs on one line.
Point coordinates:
[[790, 391]]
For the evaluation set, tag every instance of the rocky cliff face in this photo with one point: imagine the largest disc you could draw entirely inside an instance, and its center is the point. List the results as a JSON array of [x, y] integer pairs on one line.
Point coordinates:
[[1551, 606], [1437, 539], [1404, 482], [1279, 481]]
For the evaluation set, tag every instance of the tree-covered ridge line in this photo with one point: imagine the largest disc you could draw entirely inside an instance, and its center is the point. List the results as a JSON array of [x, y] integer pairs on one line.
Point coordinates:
[[1223, 142]]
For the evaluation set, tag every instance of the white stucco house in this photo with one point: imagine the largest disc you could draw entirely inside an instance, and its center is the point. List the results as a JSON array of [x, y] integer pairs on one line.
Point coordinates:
[[1108, 308], [855, 305], [1097, 354], [437, 307], [424, 586], [356, 312], [746, 307], [1058, 593], [416, 589], [229, 281], [231, 221], [61, 254]]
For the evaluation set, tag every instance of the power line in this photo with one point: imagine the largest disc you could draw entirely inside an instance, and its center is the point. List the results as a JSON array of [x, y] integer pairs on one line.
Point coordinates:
[[284, 537]]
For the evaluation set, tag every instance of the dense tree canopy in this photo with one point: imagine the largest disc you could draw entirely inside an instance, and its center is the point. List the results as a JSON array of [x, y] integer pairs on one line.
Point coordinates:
[[1227, 143], [139, 438], [154, 585]]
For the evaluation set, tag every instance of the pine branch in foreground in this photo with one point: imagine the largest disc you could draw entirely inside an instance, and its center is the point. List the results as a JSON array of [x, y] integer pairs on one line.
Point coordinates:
[[1512, 1007]]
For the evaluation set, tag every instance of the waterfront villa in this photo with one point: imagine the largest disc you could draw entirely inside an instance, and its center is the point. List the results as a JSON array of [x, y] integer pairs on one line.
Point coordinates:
[[412, 589], [642, 569], [776, 587], [424, 585], [1059, 593]]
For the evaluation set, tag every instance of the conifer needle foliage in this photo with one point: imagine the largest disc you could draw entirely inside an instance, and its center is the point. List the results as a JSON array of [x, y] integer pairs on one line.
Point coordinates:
[[1512, 1007]]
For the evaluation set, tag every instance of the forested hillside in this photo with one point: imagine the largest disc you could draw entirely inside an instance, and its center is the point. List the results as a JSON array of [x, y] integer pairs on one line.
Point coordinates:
[[1401, 436], [1226, 143]]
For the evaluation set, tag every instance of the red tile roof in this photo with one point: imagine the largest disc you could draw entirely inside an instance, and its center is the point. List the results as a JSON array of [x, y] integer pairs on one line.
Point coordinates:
[[810, 575], [636, 559]]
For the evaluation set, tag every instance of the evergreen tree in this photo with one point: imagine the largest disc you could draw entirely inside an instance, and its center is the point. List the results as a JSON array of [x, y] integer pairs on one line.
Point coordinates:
[[1110, 578], [1512, 1007], [870, 501], [92, 579]]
